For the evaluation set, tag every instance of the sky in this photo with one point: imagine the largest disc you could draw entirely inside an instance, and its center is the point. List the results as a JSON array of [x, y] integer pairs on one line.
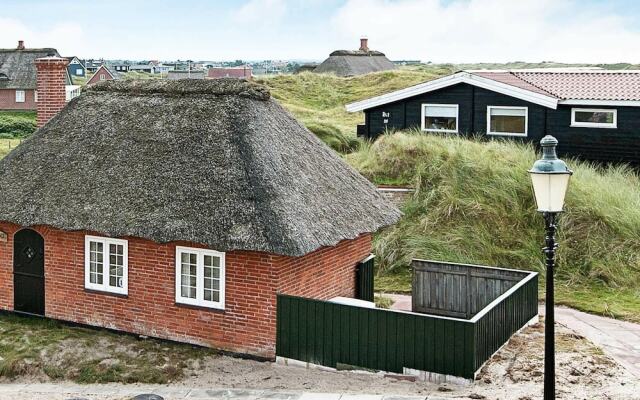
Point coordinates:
[[455, 31]]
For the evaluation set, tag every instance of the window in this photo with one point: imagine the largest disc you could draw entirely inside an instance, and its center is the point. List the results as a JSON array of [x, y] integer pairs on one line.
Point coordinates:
[[102, 77], [594, 117], [200, 277], [35, 96], [440, 117], [507, 121], [19, 96], [79, 72], [106, 264]]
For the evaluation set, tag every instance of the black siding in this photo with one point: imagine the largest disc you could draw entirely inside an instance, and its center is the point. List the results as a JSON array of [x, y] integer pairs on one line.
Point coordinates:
[[598, 144]]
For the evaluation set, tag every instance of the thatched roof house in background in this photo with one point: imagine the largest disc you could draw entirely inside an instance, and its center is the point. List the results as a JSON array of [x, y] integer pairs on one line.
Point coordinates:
[[355, 62], [204, 193], [18, 76]]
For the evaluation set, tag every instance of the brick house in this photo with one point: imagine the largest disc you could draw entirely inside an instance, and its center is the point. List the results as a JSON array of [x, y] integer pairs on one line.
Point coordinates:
[[18, 76], [103, 73], [179, 209]]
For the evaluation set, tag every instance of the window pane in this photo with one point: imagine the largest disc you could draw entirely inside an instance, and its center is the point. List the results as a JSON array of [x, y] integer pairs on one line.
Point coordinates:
[[116, 266], [96, 262], [508, 124], [440, 111], [188, 269], [440, 123], [594, 117]]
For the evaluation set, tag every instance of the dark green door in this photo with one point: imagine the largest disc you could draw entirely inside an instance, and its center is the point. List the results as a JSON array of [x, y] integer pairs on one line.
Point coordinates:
[[28, 272]]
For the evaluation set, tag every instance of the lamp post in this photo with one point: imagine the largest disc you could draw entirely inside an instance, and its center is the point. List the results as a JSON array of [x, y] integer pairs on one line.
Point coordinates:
[[550, 178]]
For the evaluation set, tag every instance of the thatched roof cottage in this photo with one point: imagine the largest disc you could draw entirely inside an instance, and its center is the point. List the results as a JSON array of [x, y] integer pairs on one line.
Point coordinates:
[[178, 209], [355, 62]]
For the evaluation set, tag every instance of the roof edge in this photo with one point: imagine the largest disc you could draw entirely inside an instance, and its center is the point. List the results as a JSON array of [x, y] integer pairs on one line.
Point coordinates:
[[450, 80]]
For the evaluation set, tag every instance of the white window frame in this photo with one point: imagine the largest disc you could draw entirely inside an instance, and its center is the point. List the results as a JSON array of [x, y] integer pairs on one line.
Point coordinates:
[[79, 72], [605, 125], [35, 96], [102, 77], [526, 121], [422, 115], [105, 287], [199, 301], [20, 96]]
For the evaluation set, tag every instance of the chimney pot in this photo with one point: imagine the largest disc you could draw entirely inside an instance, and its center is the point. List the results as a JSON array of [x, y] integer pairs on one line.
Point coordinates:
[[20, 44], [364, 44]]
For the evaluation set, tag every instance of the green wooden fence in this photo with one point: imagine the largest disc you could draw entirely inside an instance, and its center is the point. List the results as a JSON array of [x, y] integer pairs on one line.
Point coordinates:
[[326, 333]]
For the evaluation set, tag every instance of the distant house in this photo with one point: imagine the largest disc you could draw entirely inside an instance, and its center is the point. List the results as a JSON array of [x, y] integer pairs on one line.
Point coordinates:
[[174, 209], [121, 67], [103, 73], [594, 114], [18, 76], [355, 62], [244, 71], [76, 67], [148, 68], [92, 65], [175, 75]]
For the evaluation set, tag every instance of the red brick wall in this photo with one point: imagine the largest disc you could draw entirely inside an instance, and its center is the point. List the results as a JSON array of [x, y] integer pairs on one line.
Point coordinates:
[[8, 100], [325, 273], [247, 325], [51, 80]]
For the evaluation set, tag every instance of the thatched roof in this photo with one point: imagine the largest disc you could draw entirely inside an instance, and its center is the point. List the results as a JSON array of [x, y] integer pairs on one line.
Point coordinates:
[[355, 62], [216, 162], [18, 68]]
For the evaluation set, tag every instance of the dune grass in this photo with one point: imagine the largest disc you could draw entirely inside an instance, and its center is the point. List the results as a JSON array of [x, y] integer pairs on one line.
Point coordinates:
[[318, 100], [474, 204]]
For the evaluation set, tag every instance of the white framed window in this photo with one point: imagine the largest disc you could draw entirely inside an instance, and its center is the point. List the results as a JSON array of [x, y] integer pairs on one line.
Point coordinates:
[[106, 264], [200, 277], [35, 96], [102, 77], [19, 96], [507, 121], [440, 118], [594, 117], [79, 72]]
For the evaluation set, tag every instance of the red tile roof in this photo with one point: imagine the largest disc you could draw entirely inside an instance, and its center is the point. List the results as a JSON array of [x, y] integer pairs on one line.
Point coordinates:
[[511, 79], [575, 85], [231, 72]]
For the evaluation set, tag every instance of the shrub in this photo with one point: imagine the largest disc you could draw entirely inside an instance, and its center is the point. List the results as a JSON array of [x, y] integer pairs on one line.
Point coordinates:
[[17, 124]]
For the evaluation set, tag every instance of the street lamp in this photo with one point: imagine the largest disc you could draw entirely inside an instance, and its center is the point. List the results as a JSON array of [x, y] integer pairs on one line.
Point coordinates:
[[550, 178]]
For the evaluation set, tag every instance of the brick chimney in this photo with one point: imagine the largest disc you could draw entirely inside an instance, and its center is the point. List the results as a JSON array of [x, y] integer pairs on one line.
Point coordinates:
[[20, 45], [364, 44], [51, 81]]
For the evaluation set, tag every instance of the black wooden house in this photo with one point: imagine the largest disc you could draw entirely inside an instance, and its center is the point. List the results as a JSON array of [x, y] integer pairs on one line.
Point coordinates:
[[595, 114]]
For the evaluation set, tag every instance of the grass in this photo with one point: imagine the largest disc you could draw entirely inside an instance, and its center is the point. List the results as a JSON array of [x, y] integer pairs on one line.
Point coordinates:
[[318, 100], [473, 203], [6, 145], [49, 350]]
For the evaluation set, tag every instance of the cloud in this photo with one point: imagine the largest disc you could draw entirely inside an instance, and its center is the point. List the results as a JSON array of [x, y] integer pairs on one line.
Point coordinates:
[[264, 12], [65, 36], [490, 30]]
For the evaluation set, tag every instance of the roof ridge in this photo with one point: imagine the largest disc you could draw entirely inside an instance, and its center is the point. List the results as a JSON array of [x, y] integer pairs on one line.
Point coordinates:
[[534, 85]]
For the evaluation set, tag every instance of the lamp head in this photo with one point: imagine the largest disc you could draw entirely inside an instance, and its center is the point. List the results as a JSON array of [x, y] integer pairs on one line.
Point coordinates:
[[550, 177]]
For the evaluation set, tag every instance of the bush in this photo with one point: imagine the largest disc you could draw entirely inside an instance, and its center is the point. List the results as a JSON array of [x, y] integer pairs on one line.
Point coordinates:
[[17, 124]]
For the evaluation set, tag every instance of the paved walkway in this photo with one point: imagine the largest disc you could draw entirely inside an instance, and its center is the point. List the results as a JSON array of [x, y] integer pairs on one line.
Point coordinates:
[[618, 339], [117, 391]]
